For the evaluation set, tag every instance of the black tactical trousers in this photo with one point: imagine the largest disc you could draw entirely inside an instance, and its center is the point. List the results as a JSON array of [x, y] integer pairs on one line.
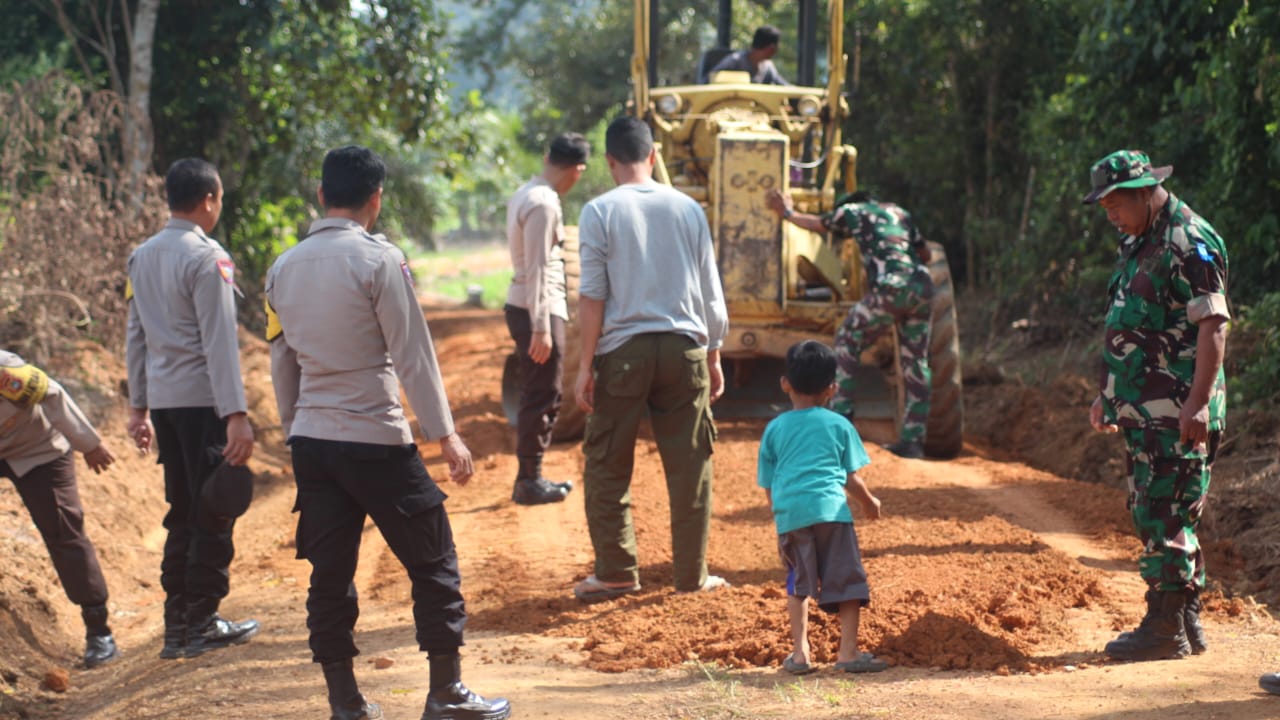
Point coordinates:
[[49, 491], [196, 561], [541, 389], [339, 484]]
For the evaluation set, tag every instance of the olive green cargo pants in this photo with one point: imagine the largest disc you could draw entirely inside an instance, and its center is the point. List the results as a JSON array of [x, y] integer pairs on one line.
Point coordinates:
[[666, 375]]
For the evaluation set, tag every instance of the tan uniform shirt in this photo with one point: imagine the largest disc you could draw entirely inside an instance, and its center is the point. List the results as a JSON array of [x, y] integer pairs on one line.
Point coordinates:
[[535, 236], [39, 422], [182, 347], [344, 324]]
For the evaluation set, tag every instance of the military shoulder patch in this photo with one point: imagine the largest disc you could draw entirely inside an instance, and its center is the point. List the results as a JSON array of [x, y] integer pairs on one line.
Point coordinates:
[[128, 289], [1203, 251], [25, 385]]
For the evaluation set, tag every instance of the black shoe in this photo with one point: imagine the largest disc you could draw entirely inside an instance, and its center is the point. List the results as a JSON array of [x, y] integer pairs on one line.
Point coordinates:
[[361, 710], [219, 633], [1160, 635], [456, 702], [99, 650], [1191, 623], [538, 492], [1270, 682], [175, 642], [906, 449]]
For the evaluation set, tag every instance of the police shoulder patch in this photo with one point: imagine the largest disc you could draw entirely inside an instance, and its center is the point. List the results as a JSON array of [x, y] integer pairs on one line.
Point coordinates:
[[227, 270], [25, 385]]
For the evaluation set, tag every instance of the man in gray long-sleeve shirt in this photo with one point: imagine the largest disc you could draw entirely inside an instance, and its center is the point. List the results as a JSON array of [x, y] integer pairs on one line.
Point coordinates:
[[345, 331], [537, 310], [184, 366], [40, 427], [653, 318]]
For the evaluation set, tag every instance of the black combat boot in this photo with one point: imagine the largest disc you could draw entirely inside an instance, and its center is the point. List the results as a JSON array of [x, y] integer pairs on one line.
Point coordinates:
[[533, 489], [906, 449], [345, 700], [1160, 635], [1191, 623], [100, 647], [449, 699], [206, 630], [175, 627]]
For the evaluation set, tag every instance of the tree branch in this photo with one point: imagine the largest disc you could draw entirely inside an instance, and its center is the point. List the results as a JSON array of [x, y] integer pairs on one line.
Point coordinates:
[[74, 36]]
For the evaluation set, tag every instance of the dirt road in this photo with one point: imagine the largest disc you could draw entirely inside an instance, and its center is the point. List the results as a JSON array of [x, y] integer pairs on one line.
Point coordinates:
[[994, 588]]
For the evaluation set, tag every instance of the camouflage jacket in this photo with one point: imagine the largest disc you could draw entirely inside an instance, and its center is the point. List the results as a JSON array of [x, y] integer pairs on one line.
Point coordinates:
[[886, 236], [1166, 281]]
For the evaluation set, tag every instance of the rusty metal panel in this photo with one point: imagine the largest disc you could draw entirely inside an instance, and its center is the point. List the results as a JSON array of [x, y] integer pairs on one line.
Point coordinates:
[[748, 236]]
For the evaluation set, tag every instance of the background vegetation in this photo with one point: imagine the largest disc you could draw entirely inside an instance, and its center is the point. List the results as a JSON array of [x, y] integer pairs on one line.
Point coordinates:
[[981, 116]]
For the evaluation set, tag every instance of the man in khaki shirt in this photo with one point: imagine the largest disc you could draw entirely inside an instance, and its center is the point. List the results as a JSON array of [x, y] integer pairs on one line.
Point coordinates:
[[537, 310], [40, 428], [345, 331], [184, 366]]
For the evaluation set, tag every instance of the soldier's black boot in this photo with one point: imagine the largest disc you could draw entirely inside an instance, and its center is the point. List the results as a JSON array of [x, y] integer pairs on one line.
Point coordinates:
[[175, 628], [1191, 623], [1160, 635], [206, 630], [345, 700], [100, 647], [906, 449], [449, 699], [533, 489]]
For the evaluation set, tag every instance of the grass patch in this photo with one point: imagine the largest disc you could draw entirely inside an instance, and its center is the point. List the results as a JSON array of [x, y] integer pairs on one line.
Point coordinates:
[[451, 274]]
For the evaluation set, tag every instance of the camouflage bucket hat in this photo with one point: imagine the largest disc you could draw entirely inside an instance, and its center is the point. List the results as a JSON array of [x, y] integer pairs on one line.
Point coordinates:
[[1123, 169]]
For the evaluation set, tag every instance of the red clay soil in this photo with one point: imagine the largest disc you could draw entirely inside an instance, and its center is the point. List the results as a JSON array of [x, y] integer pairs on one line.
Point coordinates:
[[980, 563]]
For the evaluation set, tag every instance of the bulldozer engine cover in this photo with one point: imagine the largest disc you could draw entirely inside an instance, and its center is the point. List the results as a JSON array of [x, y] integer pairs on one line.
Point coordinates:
[[748, 164]]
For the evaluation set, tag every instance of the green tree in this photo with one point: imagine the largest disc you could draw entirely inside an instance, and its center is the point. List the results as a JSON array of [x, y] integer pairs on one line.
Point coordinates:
[[576, 55]]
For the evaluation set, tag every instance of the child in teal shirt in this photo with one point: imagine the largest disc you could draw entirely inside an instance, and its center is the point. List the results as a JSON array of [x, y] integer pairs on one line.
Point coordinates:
[[809, 458]]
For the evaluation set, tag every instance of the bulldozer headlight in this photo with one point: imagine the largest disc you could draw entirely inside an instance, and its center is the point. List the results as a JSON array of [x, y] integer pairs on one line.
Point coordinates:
[[808, 106], [669, 104]]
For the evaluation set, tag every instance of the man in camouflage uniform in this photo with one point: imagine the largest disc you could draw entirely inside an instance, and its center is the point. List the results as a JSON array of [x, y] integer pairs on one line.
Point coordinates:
[[896, 258], [1162, 386]]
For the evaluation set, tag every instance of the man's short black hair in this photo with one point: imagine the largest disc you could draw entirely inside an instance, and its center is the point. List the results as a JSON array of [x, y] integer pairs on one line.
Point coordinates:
[[628, 140], [568, 150], [189, 181], [350, 176], [766, 36], [810, 367]]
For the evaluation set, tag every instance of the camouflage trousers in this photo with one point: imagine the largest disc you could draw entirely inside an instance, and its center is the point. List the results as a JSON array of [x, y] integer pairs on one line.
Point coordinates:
[[1168, 486], [868, 321]]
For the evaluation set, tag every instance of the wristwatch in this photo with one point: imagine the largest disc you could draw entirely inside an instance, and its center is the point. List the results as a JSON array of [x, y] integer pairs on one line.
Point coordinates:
[[787, 213]]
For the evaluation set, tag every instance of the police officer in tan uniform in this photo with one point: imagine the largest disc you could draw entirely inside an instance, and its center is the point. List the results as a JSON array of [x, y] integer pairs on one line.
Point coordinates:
[[40, 429], [537, 310], [184, 366], [346, 331]]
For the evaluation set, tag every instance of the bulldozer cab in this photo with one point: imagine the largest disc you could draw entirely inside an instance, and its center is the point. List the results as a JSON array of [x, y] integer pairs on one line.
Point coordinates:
[[726, 142]]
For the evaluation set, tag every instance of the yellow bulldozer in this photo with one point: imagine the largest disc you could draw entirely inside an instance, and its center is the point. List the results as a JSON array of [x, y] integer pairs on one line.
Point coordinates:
[[726, 142]]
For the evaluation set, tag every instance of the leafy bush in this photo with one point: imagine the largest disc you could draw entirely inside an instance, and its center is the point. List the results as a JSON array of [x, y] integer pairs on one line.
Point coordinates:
[[68, 222], [1255, 345]]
